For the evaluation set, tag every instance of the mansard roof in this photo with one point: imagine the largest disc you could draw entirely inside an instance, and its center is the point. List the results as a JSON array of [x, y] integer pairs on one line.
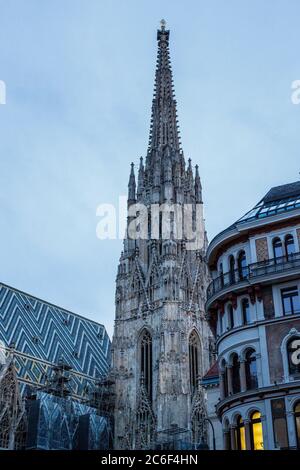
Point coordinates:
[[278, 200], [280, 203]]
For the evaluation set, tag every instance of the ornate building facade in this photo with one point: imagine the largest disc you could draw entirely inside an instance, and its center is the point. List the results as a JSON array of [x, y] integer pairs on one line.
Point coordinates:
[[162, 343], [253, 305]]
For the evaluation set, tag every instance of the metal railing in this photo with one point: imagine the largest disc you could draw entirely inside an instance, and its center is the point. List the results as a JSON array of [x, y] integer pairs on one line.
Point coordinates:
[[262, 268]]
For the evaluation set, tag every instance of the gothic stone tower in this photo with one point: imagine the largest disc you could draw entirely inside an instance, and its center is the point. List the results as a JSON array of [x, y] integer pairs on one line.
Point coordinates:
[[162, 343]]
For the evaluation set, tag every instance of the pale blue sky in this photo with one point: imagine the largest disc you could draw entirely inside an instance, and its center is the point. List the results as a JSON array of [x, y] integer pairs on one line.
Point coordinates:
[[79, 76]]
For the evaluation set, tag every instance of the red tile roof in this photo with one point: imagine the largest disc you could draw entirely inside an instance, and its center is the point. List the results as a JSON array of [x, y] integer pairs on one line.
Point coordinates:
[[212, 372]]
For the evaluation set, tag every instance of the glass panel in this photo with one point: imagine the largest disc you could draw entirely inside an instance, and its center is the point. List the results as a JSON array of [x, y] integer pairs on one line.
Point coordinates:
[[257, 431], [277, 247], [243, 438]]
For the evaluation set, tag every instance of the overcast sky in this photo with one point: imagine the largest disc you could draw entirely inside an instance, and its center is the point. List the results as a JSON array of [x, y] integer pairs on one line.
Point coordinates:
[[79, 77]]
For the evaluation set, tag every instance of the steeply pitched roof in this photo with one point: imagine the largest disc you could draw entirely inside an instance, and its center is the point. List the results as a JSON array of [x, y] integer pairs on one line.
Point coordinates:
[[213, 372]]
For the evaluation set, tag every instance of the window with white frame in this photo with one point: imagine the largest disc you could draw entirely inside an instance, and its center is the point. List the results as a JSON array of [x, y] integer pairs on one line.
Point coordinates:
[[290, 300], [246, 317]]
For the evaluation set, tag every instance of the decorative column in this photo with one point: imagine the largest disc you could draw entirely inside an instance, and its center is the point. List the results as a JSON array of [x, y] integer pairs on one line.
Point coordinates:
[[247, 434], [259, 370], [232, 437], [222, 385], [226, 440]]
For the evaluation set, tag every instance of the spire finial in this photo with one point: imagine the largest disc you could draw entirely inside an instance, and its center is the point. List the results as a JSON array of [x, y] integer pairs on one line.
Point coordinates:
[[163, 24]]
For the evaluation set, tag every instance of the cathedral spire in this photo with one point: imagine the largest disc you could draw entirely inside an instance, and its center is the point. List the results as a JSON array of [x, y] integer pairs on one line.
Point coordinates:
[[198, 186], [141, 178], [164, 128], [132, 186]]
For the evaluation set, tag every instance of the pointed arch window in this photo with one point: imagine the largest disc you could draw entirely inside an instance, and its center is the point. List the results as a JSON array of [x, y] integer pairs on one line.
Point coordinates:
[[146, 361], [251, 369], [194, 350]]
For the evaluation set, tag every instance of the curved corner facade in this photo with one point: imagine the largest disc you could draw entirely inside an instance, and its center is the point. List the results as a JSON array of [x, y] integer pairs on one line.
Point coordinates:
[[253, 307]]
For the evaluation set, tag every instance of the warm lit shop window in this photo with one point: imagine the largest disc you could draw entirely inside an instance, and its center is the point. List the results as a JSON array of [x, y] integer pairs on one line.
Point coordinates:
[[257, 440], [240, 434]]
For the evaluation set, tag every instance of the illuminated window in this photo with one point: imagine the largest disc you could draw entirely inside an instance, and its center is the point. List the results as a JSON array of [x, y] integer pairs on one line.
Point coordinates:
[[297, 422], [240, 434], [251, 370], [194, 347], [257, 440], [146, 361]]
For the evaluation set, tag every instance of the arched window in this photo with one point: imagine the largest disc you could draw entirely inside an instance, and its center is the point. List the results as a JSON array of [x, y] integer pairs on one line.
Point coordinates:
[[256, 431], [251, 370], [277, 248], [293, 357], [230, 316], [240, 436], [242, 265], [221, 274], [194, 349], [236, 385], [231, 270], [146, 361], [297, 422], [220, 316], [226, 434], [245, 312], [289, 246], [224, 377]]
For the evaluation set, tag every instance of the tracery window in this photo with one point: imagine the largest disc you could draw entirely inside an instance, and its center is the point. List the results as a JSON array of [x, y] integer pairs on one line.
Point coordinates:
[[194, 350], [146, 361]]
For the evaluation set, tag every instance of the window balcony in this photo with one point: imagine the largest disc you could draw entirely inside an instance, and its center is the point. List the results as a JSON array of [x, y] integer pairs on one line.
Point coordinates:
[[252, 273]]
